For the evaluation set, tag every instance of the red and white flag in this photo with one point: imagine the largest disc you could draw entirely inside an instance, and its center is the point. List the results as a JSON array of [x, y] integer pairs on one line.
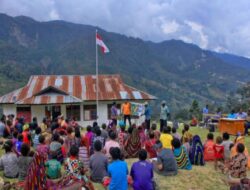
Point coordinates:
[[100, 42]]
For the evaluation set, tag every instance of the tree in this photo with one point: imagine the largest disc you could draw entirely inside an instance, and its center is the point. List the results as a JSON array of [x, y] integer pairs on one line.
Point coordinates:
[[195, 110]]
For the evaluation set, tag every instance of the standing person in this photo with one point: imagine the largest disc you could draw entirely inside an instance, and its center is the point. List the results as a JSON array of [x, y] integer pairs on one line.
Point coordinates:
[[241, 114], [114, 113], [142, 173], [126, 111], [147, 114], [163, 115]]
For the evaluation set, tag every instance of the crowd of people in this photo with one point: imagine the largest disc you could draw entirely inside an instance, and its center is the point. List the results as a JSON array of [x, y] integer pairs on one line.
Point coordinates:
[[99, 154]]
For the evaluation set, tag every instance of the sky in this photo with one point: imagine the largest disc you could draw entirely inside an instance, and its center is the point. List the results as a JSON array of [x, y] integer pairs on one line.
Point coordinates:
[[219, 25]]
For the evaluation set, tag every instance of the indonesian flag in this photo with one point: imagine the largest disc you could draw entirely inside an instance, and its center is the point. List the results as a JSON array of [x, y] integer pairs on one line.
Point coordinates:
[[100, 42]]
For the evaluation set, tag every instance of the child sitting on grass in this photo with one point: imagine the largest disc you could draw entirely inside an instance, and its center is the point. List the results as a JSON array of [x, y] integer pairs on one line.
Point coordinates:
[[42, 147], [9, 161], [209, 148], [24, 161], [53, 167], [218, 152]]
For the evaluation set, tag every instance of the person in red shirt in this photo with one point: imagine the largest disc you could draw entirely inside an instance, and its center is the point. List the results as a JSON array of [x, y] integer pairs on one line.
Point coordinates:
[[26, 134], [218, 151], [149, 145], [209, 148]]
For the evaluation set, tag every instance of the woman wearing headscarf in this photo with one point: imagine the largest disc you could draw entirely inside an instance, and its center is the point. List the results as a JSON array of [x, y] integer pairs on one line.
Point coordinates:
[[133, 143]]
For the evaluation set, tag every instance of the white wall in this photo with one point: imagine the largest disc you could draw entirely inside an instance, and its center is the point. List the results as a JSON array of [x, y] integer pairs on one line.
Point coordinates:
[[38, 111], [9, 109]]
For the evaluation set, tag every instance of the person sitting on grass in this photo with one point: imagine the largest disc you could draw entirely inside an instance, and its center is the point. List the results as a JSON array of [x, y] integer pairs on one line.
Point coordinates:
[[157, 133], [142, 173], [175, 134], [181, 155], [9, 161], [149, 145], [194, 121], [84, 153], [218, 152], [186, 144], [98, 163], [36, 137], [110, 143], [53, 168], [117, 171], [166, 164], [133, 143], [122, 136], [42, 147], [209, 148], [166, 138], [73, 166], [24, 162], [186, 134], [226, 144], [238, 163], [97, 137]]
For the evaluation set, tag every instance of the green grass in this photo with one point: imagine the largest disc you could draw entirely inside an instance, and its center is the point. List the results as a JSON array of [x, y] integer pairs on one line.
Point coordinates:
[[199, 178]]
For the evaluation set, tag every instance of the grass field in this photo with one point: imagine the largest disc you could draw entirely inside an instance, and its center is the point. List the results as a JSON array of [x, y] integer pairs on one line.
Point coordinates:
[[199, 178]]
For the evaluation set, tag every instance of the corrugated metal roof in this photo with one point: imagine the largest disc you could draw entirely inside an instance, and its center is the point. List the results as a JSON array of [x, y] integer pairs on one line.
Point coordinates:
[[73, 88]]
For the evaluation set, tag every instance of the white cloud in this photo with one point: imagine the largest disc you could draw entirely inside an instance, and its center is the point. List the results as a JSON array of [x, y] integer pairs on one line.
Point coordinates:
[[186, 39], [170, 27]]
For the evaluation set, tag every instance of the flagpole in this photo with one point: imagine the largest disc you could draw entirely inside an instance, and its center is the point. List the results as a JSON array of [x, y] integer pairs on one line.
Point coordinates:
[[97, 80]]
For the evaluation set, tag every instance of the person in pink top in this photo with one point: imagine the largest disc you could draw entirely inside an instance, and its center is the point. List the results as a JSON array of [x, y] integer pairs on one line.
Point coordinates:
[[89, 135], [110, 143], [209, 154]]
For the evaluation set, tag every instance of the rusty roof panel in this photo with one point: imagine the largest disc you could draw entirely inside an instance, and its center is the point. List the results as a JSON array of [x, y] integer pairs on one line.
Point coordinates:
[[77, 89]]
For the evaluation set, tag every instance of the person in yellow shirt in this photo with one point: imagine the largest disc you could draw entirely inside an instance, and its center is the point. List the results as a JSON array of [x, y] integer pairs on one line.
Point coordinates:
[[166, 138], [126, 111]]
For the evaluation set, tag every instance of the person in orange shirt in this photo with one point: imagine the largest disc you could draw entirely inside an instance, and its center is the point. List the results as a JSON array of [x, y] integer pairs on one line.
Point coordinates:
[[126, 111]]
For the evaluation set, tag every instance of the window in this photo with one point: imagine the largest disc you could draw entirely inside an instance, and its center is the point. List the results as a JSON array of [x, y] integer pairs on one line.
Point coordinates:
[[23, 109], [89, 112], [109, 109], [73, 111]]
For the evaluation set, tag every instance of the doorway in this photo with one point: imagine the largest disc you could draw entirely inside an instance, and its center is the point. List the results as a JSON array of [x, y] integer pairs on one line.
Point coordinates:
[[52, 111]]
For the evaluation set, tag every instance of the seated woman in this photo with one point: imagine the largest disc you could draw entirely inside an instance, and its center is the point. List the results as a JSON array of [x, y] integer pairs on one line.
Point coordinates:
[[181, 155], [133, 143], [238, 163], [53, 168], [9, 161], [149, 145], [142, 173]]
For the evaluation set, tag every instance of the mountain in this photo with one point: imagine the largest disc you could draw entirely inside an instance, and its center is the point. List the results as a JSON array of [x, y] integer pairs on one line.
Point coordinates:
[[171, 70], [234, 60]]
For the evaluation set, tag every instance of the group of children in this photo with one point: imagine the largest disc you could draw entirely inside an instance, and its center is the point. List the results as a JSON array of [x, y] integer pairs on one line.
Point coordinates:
[[101, 151]]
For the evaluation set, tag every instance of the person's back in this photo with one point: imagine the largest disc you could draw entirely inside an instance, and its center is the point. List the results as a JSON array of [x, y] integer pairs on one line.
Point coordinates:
[[23, 162], [142, 173], [53, 168], [226, 143], [149, 145], [118, 171], [166, 138], [98, 163], [166, 157], [209, 153], [9, 161]]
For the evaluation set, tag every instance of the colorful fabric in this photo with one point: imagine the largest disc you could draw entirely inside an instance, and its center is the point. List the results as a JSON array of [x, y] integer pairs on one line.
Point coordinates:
[[197, 153], [121, 138], [76, 166], [133, 144], [238, 166], [149, 146], [84, 156], [182, 158]]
